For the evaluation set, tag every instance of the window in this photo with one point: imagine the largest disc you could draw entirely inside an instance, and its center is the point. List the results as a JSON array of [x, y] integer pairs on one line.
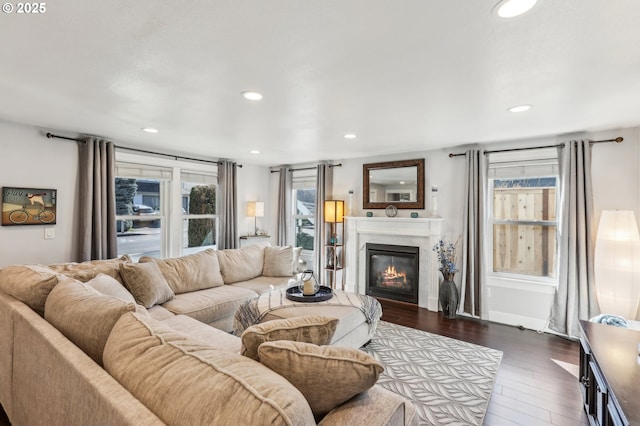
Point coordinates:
[[138, 217], [523, 213], [199, 224], [140, 209], [304, 205], [146, 190]]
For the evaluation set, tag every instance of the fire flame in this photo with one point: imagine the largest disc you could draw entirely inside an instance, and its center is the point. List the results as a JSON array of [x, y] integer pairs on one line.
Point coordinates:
[[391, 272]]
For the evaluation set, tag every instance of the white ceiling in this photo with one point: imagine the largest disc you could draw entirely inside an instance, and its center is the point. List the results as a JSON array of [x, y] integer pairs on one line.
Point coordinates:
[[404, 75]]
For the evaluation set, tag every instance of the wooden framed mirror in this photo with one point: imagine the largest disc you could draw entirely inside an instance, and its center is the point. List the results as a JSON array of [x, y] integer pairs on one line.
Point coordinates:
[[397, 183]]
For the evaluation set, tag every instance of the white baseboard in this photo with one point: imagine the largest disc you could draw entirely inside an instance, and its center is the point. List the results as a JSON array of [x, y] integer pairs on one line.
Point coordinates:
[[518, 320]]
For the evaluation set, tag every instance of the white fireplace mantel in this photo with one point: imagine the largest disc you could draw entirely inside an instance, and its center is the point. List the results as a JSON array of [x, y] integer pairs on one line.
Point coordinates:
[[419, 232]]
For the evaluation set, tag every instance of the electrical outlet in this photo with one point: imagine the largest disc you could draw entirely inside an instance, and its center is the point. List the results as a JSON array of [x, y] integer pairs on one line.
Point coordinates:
[[49, 233]]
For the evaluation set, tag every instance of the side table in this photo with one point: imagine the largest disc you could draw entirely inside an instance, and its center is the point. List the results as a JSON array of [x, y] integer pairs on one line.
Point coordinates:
[[247, 240]]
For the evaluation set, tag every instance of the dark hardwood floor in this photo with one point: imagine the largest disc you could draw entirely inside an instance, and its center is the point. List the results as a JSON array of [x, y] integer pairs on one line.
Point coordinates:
[[530, 389]]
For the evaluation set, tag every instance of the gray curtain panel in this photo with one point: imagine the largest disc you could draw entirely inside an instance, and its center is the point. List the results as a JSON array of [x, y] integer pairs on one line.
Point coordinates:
[[575, 297], [96, 201], [227, 212], [324, 187], [473, 274], [284, 228]]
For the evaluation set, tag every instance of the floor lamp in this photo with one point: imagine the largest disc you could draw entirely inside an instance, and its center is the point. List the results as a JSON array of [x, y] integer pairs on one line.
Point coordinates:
[[333, 213], [617, 263]]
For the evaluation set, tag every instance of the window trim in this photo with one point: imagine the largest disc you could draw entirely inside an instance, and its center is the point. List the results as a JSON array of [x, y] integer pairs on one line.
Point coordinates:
[[185, 174], [510, 276], [296, 217], [171, 194], [305, 179]]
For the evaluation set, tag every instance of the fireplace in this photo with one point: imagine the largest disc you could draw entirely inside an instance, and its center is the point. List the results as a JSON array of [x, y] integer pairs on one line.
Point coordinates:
[[392, 272]]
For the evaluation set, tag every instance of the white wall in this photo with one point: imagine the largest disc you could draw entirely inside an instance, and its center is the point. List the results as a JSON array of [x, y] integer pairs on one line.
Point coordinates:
[[616, 185], [440, 170], [254, 185], [29, 159], [616, 172]]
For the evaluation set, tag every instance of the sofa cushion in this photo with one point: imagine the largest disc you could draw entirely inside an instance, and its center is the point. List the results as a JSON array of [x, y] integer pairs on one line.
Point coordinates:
[[206, 334], [262, 284], [108, 285], [88, 270], [191, 272], [31, 284], [160, 313], [84, 315], [310, 329], [146, 283], [375, 406], [278, 261], [241, 264], [327, 376], [186, 382], [211, 304]]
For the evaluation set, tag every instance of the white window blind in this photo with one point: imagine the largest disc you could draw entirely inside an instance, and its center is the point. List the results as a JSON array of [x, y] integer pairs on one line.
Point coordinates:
[[139, 171], [304, 179], [523, 164], [199, 178]]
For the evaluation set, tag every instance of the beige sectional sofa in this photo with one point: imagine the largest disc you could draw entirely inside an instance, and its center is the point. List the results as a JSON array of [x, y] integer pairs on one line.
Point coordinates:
[[210, 285], [88, 344]]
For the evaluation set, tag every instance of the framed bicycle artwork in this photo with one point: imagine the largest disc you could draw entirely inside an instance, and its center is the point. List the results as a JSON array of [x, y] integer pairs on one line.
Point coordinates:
[[28, 206]]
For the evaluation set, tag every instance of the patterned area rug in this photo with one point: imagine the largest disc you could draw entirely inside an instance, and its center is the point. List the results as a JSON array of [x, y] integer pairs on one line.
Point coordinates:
[[449, 381]]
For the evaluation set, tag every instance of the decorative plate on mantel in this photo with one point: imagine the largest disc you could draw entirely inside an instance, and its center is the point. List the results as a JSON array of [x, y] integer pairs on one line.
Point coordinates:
[[391, 211]]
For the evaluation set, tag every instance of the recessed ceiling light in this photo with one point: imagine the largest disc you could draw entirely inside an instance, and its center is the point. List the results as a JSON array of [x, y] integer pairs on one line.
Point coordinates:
[[512, 8], [350, 136], [150, 130], [252, 96], [520, 108], [254, 151]]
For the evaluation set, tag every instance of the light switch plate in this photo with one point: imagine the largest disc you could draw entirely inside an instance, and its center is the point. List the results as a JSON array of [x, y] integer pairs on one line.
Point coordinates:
[[49, 233]]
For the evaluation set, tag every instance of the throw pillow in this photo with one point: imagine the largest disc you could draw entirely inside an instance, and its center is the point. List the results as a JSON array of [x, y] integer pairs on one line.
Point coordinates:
[[88, 270], [187, 382], [241, 264], [146, 283], [84, 315], [191, 272], [327, 376], [278, 261], [310, 329], [108, 285], [30, 284]]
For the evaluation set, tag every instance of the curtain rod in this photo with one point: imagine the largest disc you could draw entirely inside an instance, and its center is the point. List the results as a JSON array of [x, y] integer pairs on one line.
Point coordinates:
[[306, 168], [143, 151], [616, 140]]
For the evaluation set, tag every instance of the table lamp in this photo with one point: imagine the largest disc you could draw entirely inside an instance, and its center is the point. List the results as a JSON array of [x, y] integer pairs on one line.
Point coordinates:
[[255, 209]]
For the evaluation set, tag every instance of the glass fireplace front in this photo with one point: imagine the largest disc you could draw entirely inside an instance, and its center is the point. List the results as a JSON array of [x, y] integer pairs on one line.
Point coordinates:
[[392, 272]]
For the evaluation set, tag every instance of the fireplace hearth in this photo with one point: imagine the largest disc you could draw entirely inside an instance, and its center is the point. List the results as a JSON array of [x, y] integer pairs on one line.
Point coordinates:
[[392, 272]]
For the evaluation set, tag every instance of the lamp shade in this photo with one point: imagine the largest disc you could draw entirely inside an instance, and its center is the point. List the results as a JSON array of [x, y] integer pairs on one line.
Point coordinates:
[[255, 209], [334, 211], [617, 263]]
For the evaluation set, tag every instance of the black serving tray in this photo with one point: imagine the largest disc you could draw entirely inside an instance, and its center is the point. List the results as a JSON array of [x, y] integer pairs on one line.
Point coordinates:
[[324, 293]]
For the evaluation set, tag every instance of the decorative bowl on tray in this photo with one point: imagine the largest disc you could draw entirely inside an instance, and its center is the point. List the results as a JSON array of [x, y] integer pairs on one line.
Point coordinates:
[[294, 293]]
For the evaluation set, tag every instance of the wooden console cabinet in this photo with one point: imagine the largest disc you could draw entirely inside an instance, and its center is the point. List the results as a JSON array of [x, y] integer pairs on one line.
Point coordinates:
[[610, 374]]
